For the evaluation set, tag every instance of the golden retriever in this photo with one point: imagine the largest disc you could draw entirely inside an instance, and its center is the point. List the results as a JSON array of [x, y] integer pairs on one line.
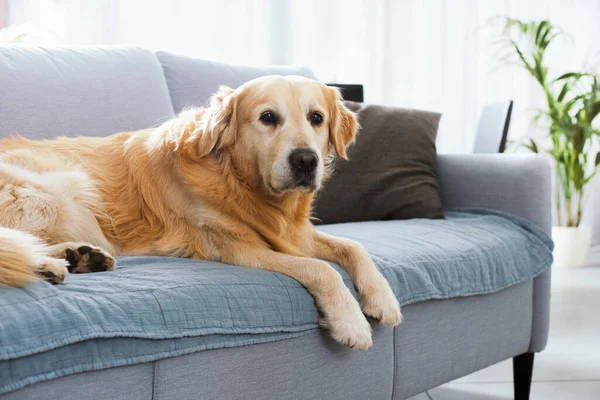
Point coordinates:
[[232, 183]]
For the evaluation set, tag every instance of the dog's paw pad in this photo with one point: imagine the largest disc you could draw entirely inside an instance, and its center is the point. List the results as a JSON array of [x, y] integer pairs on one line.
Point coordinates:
[[87, 258], [51, 277]]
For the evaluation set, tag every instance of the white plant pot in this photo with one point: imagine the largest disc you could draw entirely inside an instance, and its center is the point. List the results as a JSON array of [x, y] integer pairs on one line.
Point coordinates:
[[571, 246]]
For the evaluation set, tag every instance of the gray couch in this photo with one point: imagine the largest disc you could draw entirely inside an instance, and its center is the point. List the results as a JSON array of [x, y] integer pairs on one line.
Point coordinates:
[[439, 341]]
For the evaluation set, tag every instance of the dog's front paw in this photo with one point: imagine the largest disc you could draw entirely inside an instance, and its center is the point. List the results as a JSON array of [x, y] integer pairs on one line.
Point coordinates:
[[379, 302], [347, 324]]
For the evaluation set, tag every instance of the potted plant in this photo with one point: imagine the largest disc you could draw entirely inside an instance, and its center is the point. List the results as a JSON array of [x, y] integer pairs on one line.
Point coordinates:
[[572, 102]]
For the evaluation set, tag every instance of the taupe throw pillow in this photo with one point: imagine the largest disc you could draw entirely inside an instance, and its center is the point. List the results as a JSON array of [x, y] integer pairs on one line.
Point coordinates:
[[391, 172]]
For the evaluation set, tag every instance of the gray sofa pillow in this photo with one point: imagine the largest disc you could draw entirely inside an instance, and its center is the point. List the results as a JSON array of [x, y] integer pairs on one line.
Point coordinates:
[[391, 172], [74, 91], [192, 81]]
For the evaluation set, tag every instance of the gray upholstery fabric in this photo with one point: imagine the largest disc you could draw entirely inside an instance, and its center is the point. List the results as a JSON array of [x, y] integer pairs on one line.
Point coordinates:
[[443, 340], [132, 382], [80, 91], [308, 367], [541, 312], [517, 184], [192, 81], [439, 340], [391, 171]]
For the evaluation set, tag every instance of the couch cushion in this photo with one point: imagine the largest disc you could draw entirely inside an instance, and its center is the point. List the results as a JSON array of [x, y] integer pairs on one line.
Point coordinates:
[[391, 172], [192, 81], [81, 91], [154, 307]]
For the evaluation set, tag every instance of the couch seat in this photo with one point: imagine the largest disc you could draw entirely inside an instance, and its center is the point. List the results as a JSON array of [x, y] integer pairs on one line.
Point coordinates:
[[155, 307]]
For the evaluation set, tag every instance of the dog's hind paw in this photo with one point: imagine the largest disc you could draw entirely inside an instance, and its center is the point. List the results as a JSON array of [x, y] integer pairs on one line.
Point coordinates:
[[52, 270], [84, 258]]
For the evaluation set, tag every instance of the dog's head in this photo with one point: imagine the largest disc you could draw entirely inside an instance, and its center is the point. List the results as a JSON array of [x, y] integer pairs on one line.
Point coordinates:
[[281, 129]]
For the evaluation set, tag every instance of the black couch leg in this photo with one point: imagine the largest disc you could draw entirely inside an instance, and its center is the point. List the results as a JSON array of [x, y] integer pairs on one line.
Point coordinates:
[[522, 370]]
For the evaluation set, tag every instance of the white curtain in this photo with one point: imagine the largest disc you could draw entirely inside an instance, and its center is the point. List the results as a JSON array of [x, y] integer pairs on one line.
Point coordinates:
[[428, 54]]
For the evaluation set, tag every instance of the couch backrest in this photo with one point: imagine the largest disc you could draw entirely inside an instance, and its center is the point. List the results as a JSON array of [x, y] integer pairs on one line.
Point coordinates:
[[97, 91], [192, 81], [84, 91]]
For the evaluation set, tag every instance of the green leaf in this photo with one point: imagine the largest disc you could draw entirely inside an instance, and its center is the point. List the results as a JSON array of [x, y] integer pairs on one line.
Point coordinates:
[[589, 178], [578, 180], [573, 101], [532, 146], [597, 160], [540, 28], [563, 92], [569, 75], [593, 110], [522, 57], [546, 42]]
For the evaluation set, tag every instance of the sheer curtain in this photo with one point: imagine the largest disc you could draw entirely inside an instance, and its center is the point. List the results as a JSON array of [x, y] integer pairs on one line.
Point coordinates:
[[430, 54]]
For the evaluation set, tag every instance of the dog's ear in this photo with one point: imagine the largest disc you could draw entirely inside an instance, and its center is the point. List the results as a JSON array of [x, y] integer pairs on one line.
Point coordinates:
[[343, 124], [220, 128]]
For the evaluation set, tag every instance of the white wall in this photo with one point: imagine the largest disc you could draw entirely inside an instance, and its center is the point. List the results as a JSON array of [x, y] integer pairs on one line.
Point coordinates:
[[432, 54]]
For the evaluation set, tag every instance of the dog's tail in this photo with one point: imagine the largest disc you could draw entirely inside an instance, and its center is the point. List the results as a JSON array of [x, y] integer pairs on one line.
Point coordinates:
[[20, 255]]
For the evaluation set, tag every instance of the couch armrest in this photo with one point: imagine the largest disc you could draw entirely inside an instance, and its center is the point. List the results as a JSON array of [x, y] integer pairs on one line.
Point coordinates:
[[516, 184]]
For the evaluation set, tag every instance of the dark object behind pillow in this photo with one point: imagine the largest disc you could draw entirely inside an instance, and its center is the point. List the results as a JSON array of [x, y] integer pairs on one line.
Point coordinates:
[[392, 171], [350, 92]]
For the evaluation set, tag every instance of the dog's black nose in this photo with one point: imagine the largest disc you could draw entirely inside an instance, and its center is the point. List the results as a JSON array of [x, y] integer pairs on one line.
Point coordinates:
[[304, 160]]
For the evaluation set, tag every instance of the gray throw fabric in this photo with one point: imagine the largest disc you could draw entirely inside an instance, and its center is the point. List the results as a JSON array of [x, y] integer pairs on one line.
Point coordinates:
[[391, 172], [516, 184], [80, 91]]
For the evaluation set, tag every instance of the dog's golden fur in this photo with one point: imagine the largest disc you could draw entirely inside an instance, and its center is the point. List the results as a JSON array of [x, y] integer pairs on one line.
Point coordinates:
[[210, 184]]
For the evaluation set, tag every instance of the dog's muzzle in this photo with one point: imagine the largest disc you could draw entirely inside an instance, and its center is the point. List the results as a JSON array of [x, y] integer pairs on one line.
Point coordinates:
[[303, 164]]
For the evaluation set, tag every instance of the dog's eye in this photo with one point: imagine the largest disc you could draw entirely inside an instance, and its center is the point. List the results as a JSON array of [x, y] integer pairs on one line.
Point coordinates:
[[268, 118], [316, 118]]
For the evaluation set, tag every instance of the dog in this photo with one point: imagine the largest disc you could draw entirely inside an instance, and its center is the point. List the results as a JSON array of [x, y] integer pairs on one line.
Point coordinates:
[[233, 182]]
